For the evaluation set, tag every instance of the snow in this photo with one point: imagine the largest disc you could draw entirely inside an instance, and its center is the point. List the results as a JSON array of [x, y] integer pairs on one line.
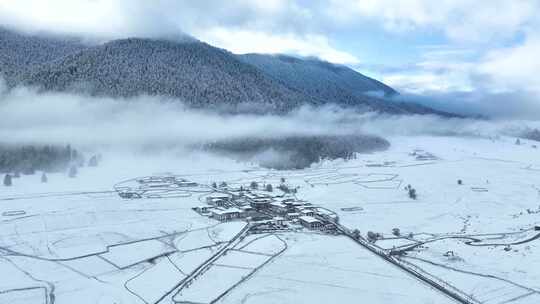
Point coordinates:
[[31, 295], [216, 280], [266, 244], [153, 283], [63, 237], [187, 262], [123, 256], [326, 269], [242, 259], [91, 266]]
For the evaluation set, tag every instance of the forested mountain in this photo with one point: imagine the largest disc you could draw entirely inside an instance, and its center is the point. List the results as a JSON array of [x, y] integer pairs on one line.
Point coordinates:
[[316, 77], [332, 83], [20, 53], [197, 73]]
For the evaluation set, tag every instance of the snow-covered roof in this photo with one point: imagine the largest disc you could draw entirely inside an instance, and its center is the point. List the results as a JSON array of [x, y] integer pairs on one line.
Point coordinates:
[[309, 219], [226, 211], [215, 198]]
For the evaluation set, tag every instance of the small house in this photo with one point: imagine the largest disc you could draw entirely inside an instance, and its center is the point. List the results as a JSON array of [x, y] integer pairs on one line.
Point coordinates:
[[218, 201], [202, 209], [310, 222], [292, 215], [278, 207], [226, 214], [279, 220], [307, 212]]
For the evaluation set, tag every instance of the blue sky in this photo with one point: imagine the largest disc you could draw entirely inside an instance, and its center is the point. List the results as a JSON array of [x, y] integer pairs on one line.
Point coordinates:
[[462, 53]]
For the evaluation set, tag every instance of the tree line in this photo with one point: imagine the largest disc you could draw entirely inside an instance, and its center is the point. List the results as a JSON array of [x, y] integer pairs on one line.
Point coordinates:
[[27, 159]]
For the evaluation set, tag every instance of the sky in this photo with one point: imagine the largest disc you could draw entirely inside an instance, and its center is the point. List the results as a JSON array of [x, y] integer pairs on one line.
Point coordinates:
[[457, 53]]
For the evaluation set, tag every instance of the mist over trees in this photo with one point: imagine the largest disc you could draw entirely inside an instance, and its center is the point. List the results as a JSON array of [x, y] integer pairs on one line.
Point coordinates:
[[28, 158], [296, 152], [532, 134], [7, 180]]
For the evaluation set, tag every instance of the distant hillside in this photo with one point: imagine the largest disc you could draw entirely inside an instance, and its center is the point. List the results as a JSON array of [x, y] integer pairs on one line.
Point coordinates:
[[195, 72], [20, 53], [200, 75], [331, 83], [316, 77]]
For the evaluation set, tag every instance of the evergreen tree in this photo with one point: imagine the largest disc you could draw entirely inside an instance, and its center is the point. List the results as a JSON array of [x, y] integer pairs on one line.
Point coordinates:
[[93, 161], [44, 178], [412, 193], [269, 188], [7, 180], [73, 171]]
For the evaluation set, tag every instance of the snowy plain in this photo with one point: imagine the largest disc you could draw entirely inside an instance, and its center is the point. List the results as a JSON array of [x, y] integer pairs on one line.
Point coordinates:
[[76, 241]]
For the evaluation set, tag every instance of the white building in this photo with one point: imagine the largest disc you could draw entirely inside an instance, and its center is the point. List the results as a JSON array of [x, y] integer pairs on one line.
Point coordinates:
[[217, 200], [310, 222], [293, 215], [226, 214]]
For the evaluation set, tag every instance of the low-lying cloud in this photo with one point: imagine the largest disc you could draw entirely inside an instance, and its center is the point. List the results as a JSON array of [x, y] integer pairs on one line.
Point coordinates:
[[60, 118]]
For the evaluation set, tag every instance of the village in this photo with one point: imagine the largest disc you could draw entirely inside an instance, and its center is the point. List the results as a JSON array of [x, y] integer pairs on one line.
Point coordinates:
[[271, 209]]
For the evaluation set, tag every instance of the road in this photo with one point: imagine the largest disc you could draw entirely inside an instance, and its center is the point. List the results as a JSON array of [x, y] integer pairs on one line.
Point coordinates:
[[204, 266], [444, 288]]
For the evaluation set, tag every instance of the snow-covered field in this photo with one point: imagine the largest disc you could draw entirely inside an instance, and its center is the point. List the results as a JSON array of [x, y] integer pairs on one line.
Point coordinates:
[[76, 241]]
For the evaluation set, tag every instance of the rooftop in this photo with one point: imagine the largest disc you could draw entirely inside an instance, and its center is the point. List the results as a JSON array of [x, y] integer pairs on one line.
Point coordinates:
[[309, 219]]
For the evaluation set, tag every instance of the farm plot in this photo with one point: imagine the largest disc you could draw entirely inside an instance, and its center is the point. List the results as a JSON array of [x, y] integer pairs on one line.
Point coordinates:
[[231, 269], [151, 284], [126, 255]]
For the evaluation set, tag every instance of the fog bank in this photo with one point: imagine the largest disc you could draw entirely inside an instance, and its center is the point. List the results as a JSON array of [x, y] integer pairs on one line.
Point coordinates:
[[30, 117]]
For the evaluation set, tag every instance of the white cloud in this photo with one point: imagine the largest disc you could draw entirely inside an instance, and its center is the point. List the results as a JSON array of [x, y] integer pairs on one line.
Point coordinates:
[[264, 26], [422, 82], [441, 68], [483, 27], [514, 67], [461, 20], [245, 41]]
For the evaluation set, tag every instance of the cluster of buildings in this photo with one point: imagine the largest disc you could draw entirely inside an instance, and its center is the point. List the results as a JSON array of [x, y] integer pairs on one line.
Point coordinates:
[[152, 185], [279, 209], [422, 155]]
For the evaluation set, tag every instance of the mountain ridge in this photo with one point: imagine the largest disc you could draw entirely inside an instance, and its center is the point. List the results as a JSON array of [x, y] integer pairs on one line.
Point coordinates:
[[200, 75]]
